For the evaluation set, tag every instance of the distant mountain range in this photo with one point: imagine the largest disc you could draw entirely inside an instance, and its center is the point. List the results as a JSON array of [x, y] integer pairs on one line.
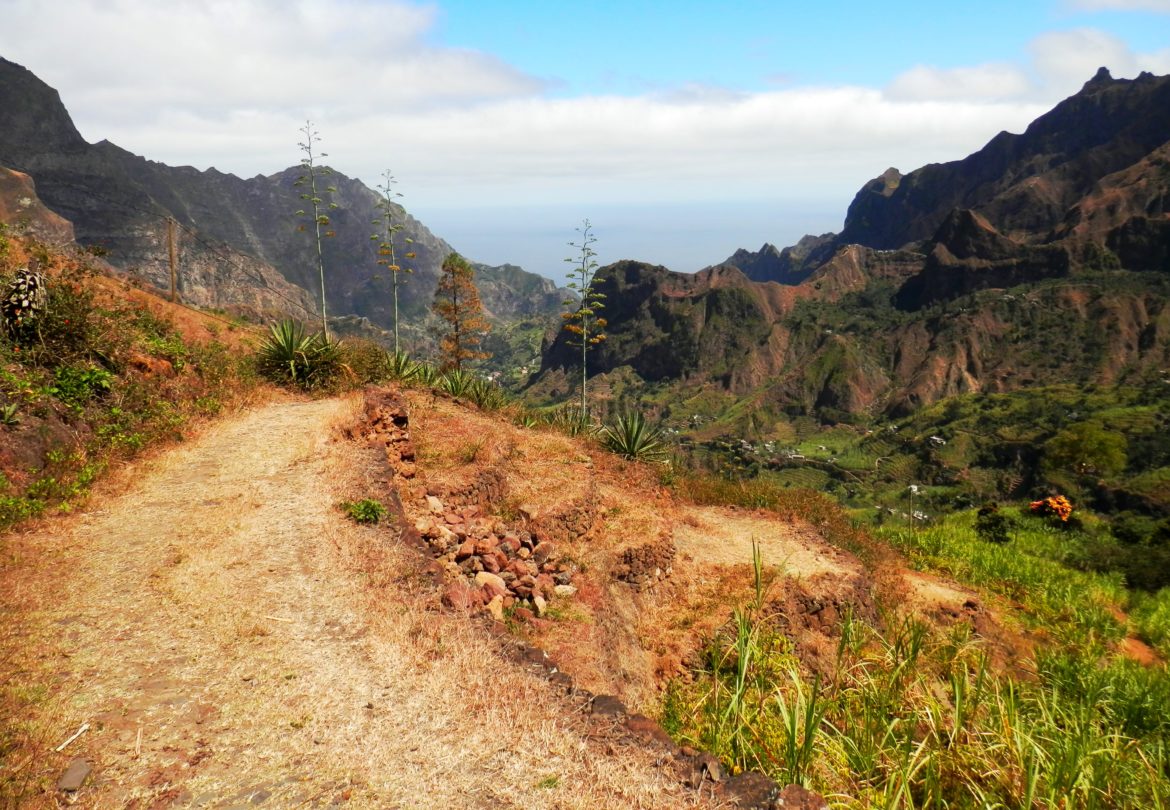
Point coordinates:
[[1043, 257], [238, 238]]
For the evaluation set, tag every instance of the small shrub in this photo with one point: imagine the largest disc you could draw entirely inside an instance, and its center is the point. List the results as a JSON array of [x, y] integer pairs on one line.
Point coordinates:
[[487, 395], [400, 367], [8, 414], [1056, 506], [991, 525], [367, 510], [570, 420], [77, 385], [363, 360], [427, 375], [632, 437]]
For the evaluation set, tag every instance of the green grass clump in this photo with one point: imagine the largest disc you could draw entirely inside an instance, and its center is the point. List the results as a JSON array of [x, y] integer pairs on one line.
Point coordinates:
[[918, 718], [367, 510]]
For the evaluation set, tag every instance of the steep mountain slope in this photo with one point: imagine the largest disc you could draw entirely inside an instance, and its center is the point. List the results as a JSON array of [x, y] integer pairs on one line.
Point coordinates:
[[1028, 262], [234, 234], [1023, 184]]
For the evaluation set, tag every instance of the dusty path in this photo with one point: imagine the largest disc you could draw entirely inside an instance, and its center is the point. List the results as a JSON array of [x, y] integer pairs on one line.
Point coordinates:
[[234, 641]]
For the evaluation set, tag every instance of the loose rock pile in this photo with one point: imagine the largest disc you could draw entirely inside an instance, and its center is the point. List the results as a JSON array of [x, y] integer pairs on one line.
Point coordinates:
[[493, 567], [387, 425], [644, 565]]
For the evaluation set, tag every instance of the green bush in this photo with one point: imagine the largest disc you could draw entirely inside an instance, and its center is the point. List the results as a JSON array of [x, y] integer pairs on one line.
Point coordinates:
[[487, 395], [456, 382], [992, 525], [77, 385]]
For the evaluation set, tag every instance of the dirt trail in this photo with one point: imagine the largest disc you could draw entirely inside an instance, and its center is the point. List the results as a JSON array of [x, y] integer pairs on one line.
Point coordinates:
[[215, 626]]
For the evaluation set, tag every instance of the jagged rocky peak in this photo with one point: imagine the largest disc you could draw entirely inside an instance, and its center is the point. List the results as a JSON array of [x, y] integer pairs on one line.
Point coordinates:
[[966, 234], [792, 265], [42, 124]]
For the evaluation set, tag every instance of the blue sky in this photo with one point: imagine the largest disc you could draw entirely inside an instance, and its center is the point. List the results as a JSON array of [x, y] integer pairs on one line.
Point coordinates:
[[632, 47], [683, 130]]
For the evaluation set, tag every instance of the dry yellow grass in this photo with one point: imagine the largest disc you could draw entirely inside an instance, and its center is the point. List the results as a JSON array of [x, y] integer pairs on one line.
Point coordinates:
[[230, 636]]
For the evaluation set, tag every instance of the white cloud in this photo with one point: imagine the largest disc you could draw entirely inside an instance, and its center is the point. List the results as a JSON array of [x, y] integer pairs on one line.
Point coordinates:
[[226, 83], [1066, 59], [1058, 63], [1160, 6], [138, 59], [982, 82]]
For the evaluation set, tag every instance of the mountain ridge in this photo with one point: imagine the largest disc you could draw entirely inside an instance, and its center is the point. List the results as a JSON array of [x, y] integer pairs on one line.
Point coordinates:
[[234, 232], [945, 280]]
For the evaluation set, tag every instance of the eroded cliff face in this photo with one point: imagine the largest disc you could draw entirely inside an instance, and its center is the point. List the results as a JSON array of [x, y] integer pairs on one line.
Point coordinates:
[[21, 208]]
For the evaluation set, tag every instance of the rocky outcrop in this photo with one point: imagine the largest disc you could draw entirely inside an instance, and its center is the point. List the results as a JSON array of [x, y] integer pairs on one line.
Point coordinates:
[[968, 254], [21, 208], [985, 274]]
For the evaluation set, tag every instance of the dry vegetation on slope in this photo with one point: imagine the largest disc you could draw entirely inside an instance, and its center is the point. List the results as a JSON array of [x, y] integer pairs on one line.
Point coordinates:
[[232, 639]]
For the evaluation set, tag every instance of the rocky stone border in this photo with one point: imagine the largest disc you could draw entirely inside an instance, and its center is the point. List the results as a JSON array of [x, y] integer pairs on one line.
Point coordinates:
[[484, 567]]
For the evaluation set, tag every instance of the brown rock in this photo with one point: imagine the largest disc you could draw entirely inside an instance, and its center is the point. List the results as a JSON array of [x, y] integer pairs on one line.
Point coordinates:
[[752, 790], [607, 705], [151, 366], [545, 586], [496, 607], [795, 797], [74, 776], [458, 595], [485, 546], [523, 614], [465, 550], [491, 584], [490, 563], [643, 727], [543, 552], [511, 543]]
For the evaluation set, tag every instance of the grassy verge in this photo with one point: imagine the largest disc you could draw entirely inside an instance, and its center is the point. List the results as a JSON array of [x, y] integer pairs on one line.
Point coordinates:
[[92, 378], [916, 717]]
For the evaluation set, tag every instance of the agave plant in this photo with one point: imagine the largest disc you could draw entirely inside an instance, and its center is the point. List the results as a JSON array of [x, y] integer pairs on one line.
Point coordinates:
[[400, 367], [632, 437], [456, 382], [570, 420], [427, 375], [487, 395], [527, 419], [290, 354]]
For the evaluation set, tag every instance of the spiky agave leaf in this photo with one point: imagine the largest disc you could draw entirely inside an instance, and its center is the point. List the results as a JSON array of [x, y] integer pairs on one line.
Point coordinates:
[[632, 437]]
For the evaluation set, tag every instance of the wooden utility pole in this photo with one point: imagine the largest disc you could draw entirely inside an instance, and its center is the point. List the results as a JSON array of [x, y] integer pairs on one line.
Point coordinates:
[[173, 251]]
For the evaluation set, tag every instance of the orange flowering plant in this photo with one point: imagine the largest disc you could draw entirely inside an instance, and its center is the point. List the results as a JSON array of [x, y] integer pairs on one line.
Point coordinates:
[[1055, 505]]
